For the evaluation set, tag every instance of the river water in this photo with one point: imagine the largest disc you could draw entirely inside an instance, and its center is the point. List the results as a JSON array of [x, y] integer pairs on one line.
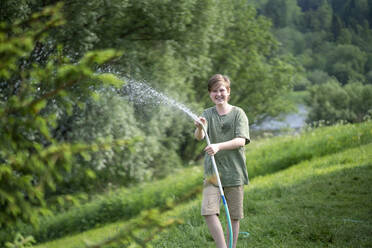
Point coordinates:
[[294, 121]]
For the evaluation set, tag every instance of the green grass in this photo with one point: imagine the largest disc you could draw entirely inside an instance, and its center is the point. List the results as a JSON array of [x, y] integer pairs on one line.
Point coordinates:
[[322, 202], [121, 204], [109, 230], [325, 202], [274, 154], [263, 157]]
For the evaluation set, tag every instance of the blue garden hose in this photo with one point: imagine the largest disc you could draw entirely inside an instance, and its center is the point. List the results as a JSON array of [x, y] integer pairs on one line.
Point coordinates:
[[221, 190]]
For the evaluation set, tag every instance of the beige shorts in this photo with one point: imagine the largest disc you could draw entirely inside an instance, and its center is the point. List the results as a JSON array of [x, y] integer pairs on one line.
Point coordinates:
[[212, 200]]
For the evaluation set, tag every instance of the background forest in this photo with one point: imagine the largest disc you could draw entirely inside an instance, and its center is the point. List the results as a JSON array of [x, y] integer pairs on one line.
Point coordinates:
[[331, 40], [69, 127]]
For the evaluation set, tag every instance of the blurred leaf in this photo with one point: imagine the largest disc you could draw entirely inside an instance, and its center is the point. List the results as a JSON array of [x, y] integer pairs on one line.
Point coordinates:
[[111, 79], [90, 174]]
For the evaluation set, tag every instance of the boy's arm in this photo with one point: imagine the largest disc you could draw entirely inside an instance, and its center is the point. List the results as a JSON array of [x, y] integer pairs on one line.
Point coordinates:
[[199, 133], [228, 145]]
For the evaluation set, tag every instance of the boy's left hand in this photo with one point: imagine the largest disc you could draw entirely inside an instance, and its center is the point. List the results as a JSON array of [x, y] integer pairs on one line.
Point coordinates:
[[212, 149]]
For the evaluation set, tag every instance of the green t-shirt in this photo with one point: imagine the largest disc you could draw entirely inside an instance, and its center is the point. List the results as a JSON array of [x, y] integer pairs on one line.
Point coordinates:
[[230, 163]]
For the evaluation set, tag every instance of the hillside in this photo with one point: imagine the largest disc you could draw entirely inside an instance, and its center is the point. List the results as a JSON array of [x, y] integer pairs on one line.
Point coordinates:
[[312, 201], [324, 202]]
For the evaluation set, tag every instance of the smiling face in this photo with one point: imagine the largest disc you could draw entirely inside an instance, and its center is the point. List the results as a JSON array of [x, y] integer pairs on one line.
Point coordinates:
[[219, 89], [219, 94]]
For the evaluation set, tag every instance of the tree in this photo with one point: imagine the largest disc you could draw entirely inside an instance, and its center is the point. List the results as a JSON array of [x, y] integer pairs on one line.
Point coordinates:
[[346, 62], [169, 44], [108, 117], [292, 41], [174, 46], [360, 101], [307, 5], [283, 13], [332, 38], [249, 55], [31, 159], [319, 18], [353, 11], [332, 102]]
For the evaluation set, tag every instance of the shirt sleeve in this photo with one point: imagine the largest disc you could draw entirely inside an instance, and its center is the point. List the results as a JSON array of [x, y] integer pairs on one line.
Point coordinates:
[[242, 126]]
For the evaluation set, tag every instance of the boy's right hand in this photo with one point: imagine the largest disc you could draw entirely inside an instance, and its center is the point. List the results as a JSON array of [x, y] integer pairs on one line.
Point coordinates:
[[199, 132], [201, 120]]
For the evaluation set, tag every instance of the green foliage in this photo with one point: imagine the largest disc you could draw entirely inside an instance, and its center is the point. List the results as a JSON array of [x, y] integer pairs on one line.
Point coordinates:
[[31, 159], [175, 46], [326, 25], [138, 232], [121, 204], [243, 55], [15, 43], [346, 63], [319, 18], [318, 77], [165, 216], [108, 117], [283, 13], [332, 102], [21, 242], [292, 40], [329, 38]]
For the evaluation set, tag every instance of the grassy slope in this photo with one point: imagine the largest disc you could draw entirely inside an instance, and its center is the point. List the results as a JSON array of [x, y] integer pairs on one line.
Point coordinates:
[[322, 202], [263, 157], [325, 202], [272, 155]]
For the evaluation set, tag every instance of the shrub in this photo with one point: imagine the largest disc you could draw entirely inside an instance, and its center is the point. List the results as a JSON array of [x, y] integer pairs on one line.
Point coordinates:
[[31, 160], [122, 204], [332, 102]]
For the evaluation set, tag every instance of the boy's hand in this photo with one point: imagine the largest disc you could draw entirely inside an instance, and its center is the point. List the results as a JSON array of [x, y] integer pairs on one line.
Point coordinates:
[[199, 132], [202, 120], [212, 149]]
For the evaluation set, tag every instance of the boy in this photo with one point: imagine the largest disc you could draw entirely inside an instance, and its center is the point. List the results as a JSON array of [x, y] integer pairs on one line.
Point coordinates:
[[228, 130]]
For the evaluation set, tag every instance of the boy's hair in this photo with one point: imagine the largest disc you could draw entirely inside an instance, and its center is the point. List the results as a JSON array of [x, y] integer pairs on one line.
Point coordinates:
[[218, 80]]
